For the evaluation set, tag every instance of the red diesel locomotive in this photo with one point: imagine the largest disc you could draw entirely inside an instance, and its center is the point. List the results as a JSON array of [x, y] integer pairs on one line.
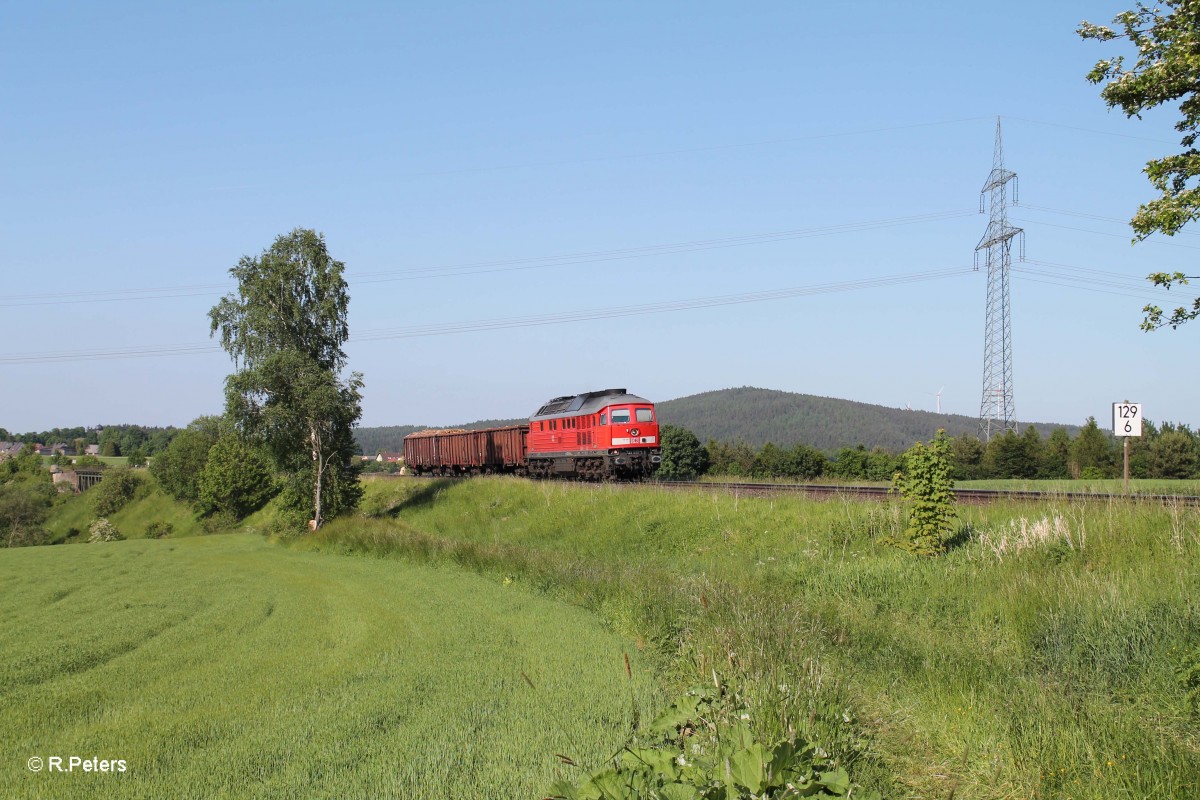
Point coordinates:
[[609, 434]]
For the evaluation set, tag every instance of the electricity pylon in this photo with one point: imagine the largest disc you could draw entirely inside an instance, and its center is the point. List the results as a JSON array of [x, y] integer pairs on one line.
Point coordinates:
[[996, 411]]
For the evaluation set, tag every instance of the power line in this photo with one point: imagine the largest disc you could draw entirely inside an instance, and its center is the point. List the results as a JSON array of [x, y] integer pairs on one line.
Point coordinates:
[[552, 261], [505, 265], [1029, 276], [1083, 215], [511, 322], [1090, 130], [1106, 274], [1104, 233], [658, 308], [654, 250], [1104, 282]]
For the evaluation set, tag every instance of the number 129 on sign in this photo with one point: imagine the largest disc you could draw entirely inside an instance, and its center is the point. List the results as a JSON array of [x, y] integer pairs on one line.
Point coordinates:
[[1127, 419]]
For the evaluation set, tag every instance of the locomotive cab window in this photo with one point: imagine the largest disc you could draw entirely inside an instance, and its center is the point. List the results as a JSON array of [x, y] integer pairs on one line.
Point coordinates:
[[620, 416], [604, 419], [645, 415]]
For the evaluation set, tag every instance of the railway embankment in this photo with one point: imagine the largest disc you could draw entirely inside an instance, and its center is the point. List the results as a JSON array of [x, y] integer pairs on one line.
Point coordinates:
[[1052, 651]]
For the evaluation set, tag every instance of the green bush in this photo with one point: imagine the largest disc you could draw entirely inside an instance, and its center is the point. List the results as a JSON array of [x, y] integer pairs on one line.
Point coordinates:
[[118, 487], [159, 530], [927, 482], [235, 481], [683, 457], [178, 467], [24, 506]]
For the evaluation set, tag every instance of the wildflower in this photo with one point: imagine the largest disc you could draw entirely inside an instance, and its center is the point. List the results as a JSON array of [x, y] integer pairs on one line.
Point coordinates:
[[744, 716], [681, 761]]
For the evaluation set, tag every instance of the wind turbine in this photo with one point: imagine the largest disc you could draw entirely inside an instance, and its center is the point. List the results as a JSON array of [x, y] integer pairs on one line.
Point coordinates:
[[938, 395]]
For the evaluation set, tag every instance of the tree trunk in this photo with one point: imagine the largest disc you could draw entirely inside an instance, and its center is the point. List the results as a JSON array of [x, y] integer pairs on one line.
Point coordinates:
[[319, 463]]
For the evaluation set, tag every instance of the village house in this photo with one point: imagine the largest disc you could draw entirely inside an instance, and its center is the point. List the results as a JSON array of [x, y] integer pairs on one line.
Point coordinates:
[[10, 449]]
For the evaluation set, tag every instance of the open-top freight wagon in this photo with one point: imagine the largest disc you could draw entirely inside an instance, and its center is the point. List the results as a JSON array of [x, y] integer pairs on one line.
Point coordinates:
[[457, 452], [608, 434]]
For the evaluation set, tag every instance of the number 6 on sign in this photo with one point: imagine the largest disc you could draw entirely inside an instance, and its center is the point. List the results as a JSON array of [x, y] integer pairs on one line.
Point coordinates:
[[1127, 419]]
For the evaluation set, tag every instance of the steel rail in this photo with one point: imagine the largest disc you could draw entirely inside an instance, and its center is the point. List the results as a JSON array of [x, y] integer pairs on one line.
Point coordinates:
[[972, 496]]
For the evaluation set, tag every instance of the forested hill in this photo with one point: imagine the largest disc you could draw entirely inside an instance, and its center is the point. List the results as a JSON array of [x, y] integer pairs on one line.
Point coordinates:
[[758, 416]]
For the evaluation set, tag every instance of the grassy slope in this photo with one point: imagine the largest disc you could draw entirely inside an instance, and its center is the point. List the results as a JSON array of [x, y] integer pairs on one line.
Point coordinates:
[[76, 513], [1048, 672], [224, 666]]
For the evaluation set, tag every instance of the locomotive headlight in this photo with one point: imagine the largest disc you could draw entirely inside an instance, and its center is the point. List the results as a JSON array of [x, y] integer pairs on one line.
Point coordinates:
[[633, 431]]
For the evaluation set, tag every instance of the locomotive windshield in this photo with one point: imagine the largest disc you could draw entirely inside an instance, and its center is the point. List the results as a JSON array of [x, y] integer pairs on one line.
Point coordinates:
[[620, 415], [645, 415]]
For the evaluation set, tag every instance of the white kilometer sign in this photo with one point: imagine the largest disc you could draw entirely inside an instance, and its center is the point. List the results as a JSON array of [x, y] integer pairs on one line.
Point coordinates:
[[1127, 419]]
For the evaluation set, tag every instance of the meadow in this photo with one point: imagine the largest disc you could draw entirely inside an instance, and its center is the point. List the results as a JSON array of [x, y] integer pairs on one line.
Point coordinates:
[[1095, 486], [1053, 651], [226, 666]]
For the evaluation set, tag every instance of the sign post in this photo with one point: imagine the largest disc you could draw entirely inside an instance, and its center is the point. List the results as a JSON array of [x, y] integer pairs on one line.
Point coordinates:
[[1127, 422]]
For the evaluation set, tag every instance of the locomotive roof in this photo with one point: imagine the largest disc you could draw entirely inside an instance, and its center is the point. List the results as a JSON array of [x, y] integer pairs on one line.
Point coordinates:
[[586, 403]]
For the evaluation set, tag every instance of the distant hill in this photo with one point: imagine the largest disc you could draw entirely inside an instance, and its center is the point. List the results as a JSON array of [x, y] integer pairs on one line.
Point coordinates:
[[757, 416]]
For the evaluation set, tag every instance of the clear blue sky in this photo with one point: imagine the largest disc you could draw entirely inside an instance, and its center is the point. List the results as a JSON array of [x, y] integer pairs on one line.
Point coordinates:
[[454, 153]]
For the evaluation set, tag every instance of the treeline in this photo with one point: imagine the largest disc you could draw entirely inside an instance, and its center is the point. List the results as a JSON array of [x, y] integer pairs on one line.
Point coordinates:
[[1166, 451], [209, 466], [114, 440]]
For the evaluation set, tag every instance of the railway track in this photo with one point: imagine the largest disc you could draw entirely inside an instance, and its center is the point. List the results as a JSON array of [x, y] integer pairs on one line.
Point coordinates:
[[969, 496]]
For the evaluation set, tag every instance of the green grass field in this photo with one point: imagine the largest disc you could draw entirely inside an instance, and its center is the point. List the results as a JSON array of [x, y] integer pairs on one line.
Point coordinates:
[[225, 666], [1040, 657]]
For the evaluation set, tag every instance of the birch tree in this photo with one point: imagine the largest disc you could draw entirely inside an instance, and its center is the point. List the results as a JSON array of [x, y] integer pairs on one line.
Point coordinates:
[[285, 328]]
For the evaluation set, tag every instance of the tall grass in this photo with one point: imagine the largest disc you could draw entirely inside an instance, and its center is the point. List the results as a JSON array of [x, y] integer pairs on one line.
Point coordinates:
[[1044, 669]]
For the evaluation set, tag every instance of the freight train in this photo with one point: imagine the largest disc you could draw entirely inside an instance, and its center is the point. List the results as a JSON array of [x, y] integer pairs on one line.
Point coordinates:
[[604, 435]]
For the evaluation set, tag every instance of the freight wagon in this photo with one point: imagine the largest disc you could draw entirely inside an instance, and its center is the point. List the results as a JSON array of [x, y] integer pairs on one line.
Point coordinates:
[[462, 452]]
